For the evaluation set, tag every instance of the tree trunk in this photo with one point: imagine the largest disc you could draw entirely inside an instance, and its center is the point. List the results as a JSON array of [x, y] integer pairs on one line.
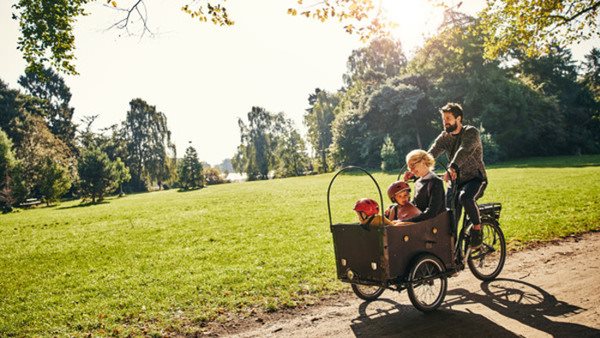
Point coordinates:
[[324, 160], [418, 135]]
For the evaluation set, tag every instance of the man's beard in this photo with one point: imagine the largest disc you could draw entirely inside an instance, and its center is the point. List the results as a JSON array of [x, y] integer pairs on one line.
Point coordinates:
[[450, 127]]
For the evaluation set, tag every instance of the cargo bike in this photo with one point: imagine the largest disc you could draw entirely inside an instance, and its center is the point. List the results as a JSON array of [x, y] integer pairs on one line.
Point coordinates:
[[418, 257]]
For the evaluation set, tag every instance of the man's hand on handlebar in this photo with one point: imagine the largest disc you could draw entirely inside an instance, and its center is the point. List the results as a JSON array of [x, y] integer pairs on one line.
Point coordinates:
[[450, 174]]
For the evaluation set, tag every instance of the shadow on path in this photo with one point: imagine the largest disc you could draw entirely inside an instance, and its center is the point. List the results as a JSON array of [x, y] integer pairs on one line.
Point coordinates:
[[521, 301]]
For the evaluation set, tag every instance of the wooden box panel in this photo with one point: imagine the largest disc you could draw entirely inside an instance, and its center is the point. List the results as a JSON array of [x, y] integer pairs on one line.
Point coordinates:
[[358, 247], [379, 254]]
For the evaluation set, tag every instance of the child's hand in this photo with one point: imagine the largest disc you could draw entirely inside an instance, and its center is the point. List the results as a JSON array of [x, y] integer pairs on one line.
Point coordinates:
[[402, 223]]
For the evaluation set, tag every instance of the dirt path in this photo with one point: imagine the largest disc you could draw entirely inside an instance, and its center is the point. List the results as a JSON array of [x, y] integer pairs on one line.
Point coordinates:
[[552, 290]]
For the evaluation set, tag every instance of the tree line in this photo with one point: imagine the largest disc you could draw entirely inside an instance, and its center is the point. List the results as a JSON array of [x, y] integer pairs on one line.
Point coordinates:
[[524, 105], [45, 155]]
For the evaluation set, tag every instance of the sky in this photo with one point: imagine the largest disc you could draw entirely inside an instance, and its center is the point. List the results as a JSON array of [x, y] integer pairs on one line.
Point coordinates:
[[203, 77]]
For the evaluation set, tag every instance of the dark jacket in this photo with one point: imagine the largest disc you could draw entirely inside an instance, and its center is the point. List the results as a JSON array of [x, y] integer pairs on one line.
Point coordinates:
[[464, 151], [429, 198]]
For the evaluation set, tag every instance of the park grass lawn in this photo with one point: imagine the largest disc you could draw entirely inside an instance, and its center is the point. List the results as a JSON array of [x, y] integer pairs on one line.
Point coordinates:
[[171, 261]]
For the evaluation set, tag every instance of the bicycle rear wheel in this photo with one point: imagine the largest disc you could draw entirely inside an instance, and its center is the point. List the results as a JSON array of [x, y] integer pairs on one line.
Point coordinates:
[[487, 261]]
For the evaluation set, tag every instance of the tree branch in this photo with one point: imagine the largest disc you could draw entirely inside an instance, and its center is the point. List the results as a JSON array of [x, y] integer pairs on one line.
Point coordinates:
[[124, 23], [565, 19]]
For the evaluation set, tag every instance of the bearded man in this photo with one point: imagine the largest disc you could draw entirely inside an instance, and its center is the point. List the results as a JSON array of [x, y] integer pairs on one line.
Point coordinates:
[[462, 145]]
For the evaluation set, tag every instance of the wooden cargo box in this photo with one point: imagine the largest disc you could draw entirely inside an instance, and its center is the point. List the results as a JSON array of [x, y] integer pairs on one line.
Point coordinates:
[[380, 255]]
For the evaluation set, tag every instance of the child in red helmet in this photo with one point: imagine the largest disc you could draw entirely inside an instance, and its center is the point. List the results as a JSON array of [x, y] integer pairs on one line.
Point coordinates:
[[367, 211], [402, 209]]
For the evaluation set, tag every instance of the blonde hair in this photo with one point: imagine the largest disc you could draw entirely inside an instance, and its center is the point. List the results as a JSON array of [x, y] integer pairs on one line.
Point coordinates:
[[419, 155]]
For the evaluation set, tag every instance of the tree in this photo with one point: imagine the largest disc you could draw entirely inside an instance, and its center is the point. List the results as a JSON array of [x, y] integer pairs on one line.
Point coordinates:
[[453, 64], [9, 108], [383, 58], [56, 95], [390, 110], [122, 174], [189, 170], [97, 174], [529, 25], [291, 158], [7, 164], [318, 119], [555, 75], [55, 181], [226, 166], [35, 145], [148, 144], [591, 76], [255, 155], [212, 175], [389, 156]]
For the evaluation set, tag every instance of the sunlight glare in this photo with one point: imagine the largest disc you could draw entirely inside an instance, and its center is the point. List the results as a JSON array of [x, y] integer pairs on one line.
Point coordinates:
[[416, 20]]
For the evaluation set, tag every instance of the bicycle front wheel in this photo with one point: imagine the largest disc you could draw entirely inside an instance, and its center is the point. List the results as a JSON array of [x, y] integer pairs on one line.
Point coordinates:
[[487, 261], [427, 283], [367, 292]]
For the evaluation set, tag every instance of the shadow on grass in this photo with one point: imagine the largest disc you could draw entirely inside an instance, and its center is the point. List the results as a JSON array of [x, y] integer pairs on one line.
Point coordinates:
[[84, 205], [189, 190], [521, 301]]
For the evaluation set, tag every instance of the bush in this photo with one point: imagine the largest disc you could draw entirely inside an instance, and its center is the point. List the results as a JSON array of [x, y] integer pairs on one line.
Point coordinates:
[[389, 156]]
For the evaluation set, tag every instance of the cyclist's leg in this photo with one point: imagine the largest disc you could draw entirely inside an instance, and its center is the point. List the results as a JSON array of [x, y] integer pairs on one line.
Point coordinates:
[[454, 206], [470, 191]]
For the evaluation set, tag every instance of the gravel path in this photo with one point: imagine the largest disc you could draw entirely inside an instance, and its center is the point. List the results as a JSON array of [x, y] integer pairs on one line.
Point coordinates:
[[551, 290]]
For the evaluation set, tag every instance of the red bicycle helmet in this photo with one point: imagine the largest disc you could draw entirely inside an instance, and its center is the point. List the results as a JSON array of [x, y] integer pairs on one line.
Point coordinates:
[[395, 188], [368, 206]]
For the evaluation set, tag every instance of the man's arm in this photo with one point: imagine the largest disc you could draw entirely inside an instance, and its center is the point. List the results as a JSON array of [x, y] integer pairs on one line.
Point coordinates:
[[439, 146]]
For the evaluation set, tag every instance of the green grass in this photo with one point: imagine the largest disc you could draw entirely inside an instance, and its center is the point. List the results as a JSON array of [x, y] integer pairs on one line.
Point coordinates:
[[167, 261]]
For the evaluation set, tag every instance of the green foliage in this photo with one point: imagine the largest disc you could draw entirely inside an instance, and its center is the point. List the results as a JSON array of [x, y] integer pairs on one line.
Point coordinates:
[[9, 108], [122, 174], [270, 143], [318, 119], [36, 145], [383, 58], [47, 32], [170, 262], [257, 143], [97, 174], [291, 158], [555, 75], [7, 157], [591, 76], [492, 153], [51, 88], [7, 164], [531, 25], [149, 145], [348, 147], [212, 175], [55, 181], [190, 171], [389, 156], [20, 183]]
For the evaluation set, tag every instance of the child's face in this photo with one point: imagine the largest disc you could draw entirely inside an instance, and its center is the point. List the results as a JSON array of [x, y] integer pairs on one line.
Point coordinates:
[[361, 215], [402, 197]]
